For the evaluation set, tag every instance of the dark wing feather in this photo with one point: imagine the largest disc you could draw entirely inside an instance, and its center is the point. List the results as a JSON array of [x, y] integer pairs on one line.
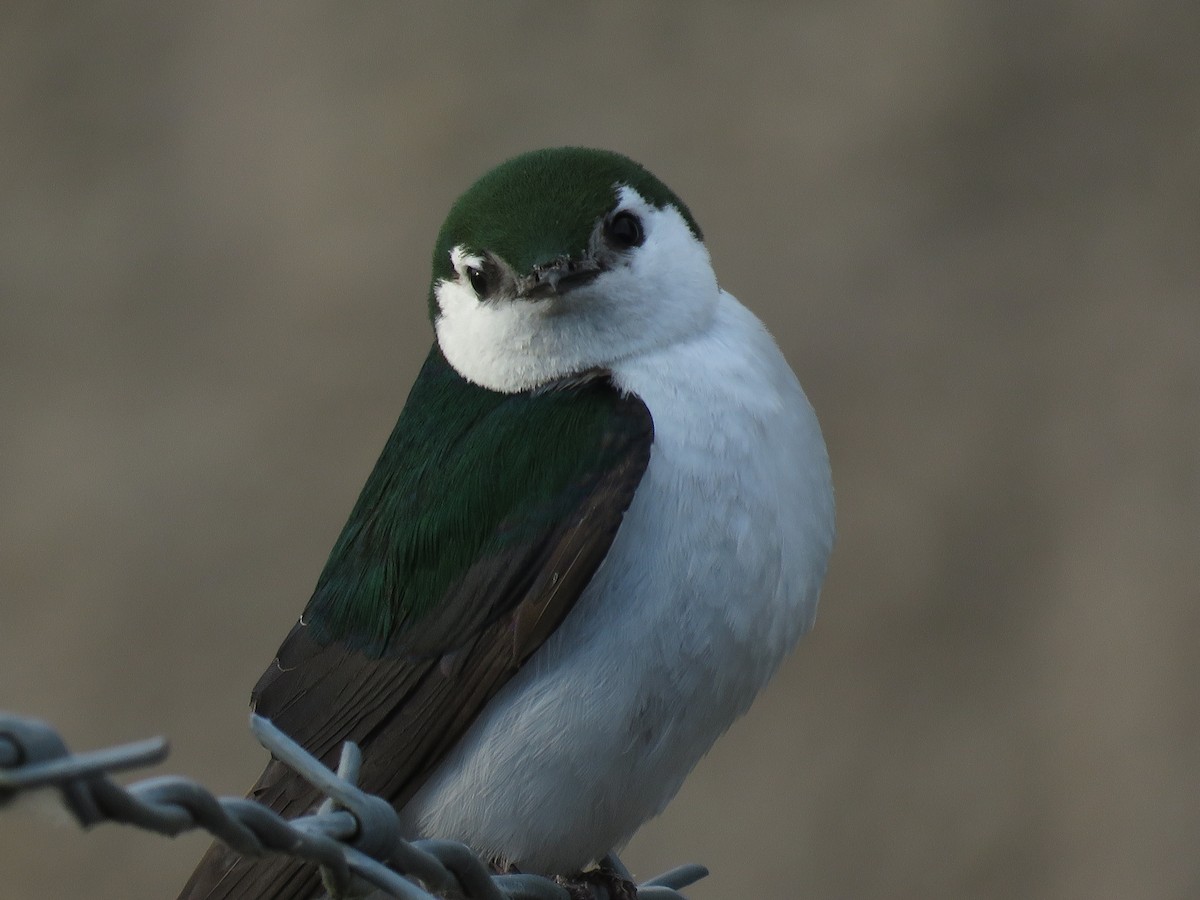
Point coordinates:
[[408, 703]]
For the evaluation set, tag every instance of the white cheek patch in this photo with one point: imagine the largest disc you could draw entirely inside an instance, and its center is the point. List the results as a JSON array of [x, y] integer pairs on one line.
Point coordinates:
[[490, 343], [667, 290]]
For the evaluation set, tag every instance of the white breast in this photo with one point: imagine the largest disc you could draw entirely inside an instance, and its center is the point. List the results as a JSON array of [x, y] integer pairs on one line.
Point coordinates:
[[712, 578]]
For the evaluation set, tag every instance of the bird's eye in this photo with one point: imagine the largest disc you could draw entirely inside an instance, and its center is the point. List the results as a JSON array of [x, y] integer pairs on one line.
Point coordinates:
[[624, 230], [479, 281]]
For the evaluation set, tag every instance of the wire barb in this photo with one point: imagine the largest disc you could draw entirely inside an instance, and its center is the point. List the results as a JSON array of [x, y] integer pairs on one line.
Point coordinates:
[[354, 836]]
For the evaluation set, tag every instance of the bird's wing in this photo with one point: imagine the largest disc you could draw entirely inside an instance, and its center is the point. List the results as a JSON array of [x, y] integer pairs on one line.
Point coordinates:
[[482, 523]]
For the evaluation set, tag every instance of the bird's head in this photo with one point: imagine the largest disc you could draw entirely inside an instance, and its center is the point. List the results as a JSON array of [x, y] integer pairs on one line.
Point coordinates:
[[564, 260]]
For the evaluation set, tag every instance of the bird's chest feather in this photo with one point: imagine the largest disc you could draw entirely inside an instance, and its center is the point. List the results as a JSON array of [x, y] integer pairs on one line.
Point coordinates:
[[711, 579]]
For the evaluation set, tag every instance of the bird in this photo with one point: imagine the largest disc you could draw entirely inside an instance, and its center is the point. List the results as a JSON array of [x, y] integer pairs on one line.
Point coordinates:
[[601, 522]]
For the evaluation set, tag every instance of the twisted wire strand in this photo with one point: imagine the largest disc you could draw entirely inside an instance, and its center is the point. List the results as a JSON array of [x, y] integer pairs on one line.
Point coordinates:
[[354, 836]]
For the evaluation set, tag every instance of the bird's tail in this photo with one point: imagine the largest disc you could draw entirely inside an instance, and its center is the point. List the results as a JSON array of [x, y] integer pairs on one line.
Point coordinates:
[[225, 874]]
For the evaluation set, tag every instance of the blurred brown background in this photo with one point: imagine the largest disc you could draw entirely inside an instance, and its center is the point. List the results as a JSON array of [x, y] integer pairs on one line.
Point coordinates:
[[974, 228]]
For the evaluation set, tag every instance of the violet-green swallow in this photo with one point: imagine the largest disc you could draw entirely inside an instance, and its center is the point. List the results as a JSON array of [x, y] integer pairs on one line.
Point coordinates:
[[601, 522]]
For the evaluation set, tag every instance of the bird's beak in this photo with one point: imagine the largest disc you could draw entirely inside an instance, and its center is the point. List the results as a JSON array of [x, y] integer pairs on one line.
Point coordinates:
[[557, 277]]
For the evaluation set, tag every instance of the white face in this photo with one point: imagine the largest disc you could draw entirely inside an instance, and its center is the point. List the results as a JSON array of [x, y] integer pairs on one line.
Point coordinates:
[[649, 296]]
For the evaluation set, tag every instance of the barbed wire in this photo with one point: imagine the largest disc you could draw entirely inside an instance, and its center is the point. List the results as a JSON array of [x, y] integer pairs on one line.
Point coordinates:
[[354, 836]]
